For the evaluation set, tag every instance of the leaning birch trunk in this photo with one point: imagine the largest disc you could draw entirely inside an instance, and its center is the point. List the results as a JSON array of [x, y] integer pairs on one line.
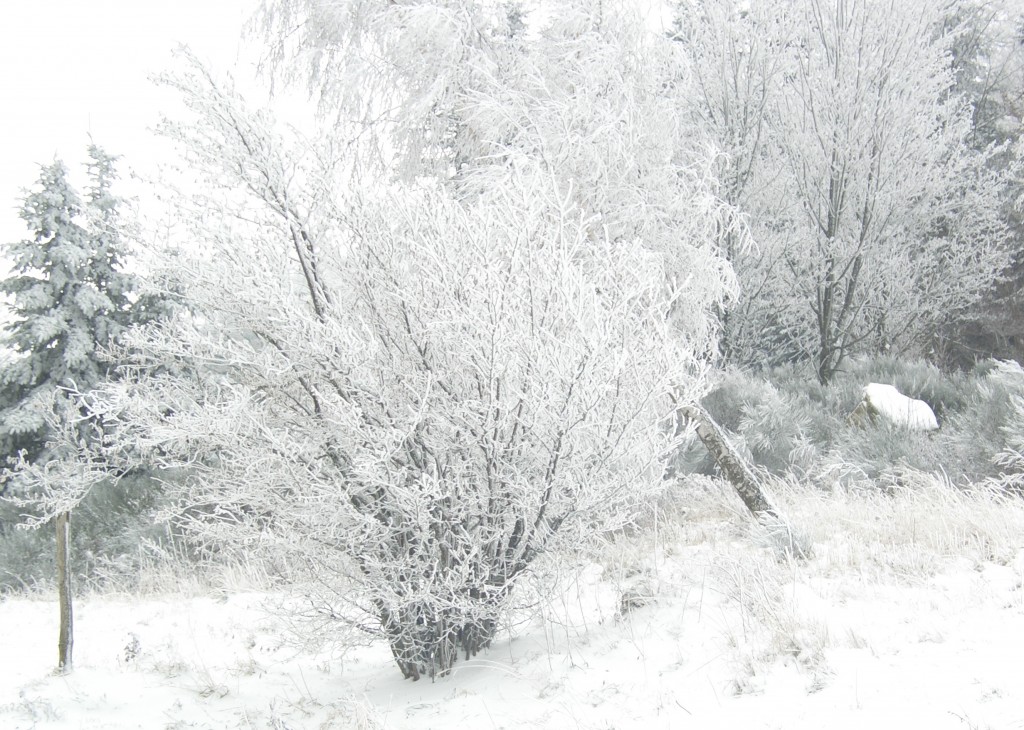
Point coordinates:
[[66, 638], [743, 479]]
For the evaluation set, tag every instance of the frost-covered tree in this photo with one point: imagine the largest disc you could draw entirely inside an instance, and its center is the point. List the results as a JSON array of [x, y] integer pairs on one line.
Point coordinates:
[[987, 59], [988, 63], [874, 217], [459, 89], [406, 389], [69, 298], [736, 51]]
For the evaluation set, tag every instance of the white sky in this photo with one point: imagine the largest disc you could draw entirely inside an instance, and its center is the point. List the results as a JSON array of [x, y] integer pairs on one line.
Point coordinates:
[[69, 68]]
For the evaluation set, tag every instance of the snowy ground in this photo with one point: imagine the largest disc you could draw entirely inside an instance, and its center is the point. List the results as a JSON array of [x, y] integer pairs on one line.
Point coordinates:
[[911, 614]]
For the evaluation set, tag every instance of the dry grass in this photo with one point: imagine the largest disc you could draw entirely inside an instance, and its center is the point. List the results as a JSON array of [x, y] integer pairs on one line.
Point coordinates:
[[910, 529], [864, 538]]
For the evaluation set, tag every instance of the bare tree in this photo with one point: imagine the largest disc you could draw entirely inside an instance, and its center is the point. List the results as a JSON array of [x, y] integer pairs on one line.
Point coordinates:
[[401, 392], [885, 220], [737, 56]]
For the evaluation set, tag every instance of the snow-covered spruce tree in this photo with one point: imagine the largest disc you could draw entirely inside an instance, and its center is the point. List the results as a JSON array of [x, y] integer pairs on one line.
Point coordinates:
[[69, 299], [408, 392]]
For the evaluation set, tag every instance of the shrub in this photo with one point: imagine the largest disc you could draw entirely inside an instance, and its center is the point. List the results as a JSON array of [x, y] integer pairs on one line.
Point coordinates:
[[785, 421]]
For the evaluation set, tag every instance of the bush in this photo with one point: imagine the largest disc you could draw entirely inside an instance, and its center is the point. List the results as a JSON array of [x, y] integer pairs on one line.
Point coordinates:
[[1004, 403], [786, 422]]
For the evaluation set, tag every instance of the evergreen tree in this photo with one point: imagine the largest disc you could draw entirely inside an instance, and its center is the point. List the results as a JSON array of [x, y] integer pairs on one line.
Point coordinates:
[[68, 297]]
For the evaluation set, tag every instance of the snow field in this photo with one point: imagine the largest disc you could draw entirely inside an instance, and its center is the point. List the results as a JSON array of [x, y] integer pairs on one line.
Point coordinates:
[[911, 614]]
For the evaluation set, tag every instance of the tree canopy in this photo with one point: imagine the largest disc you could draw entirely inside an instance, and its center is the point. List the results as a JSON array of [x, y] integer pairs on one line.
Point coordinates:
[[69, 298]]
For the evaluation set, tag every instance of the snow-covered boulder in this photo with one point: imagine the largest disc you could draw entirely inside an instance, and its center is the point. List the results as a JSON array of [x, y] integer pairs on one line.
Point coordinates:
[[884, 401]]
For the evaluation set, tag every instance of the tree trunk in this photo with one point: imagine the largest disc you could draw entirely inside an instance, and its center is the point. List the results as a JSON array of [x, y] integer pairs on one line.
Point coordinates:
[[730, 462], [743, 479], [66, 640], [426, 643]]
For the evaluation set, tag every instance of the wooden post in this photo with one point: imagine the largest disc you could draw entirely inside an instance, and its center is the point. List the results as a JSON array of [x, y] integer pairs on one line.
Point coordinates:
[[66, 639], [733, 467], [743, 479]]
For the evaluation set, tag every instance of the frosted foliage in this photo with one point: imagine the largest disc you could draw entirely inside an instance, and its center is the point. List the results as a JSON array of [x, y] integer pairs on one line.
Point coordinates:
[[400, 391], [1008, 377], [397, 70], [472, 90], [68, 299], [874, 218], [597, 100]]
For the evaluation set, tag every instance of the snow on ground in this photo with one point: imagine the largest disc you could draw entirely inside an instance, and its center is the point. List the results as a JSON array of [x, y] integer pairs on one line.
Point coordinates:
[[696, 625]]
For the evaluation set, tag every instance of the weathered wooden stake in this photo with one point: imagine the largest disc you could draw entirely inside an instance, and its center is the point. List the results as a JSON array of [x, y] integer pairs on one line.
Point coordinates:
[[66, 640], [741, 476]]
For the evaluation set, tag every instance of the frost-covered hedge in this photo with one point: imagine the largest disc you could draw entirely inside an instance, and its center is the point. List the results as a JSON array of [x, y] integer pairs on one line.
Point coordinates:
[[786, 422]]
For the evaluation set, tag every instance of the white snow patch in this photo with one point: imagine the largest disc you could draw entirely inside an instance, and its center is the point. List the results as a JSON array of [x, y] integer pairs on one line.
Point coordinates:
[[898, 409]]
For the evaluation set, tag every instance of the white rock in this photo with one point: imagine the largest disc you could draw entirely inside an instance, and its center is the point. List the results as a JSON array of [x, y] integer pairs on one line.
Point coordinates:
[[887, 402]]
